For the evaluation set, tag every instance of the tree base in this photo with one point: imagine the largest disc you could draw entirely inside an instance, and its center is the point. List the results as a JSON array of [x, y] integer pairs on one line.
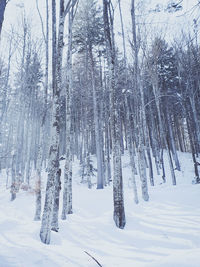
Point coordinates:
[[13, 197], [55, 229], [120, 220]]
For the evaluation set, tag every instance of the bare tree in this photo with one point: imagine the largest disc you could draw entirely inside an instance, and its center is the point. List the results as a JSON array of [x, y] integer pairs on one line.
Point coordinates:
[[53, 167], [119, 213], [50, 214], [141, 109]]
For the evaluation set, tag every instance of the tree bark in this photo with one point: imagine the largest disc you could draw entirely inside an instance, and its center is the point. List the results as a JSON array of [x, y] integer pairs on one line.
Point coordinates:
[[118, 198], [2, 11], [67, 190], [53, 167]]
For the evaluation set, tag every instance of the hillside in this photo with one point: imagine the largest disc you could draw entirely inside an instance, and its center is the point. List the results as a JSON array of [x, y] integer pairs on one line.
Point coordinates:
[[163, 232]]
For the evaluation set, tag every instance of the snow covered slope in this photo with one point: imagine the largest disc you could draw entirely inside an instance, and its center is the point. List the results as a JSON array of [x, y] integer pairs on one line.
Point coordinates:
[[165, 232]]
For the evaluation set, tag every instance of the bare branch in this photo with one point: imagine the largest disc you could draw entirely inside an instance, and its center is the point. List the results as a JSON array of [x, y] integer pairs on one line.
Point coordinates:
[[93, 258], [70, 4], [41, 20]]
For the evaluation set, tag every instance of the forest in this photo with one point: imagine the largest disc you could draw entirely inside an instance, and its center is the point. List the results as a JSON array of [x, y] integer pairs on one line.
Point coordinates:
[[97, 99]]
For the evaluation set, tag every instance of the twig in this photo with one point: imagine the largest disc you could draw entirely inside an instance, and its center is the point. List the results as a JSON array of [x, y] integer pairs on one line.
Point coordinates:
[[93, 258], [41, 20]]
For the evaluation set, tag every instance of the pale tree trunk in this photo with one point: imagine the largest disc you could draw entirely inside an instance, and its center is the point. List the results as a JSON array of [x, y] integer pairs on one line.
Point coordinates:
[[53, 167], [38, 181], [4, 102], [141, 111], [118, 198], [100, 178], [28, 151], [87, 125], [59, 56], [53, 183], [101, 122], [67, 190], [42, 139], [88, 168], [107, 136], [54, 223], [47, 55], [123, 35], [13, 185], [131, 152], [46, 122], [46, 40], [59, 85], [107, 154], [19, 146]]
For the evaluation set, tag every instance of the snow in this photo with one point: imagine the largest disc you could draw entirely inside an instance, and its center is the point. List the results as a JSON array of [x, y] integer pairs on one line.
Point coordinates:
[[164, 232]]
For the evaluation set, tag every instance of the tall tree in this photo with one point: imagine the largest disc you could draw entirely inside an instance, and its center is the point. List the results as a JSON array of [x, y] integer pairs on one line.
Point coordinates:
[[88, 33], [53, 168], [140, 108], [50, 214], [118, 198], [67, 190]]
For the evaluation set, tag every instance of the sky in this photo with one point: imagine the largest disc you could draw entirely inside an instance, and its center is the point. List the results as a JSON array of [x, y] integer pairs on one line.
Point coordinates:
[[16, 7], [168, 25]]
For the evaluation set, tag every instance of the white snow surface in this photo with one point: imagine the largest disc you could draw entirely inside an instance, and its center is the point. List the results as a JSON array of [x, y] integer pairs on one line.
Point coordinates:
[[164, 232]]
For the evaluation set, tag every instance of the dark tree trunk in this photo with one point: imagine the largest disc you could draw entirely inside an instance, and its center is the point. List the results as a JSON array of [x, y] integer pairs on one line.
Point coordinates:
[[54, 223], [118, 198], [2, 10]]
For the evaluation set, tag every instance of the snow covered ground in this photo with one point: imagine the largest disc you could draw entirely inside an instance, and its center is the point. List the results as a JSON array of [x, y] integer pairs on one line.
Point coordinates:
[[163, 232]]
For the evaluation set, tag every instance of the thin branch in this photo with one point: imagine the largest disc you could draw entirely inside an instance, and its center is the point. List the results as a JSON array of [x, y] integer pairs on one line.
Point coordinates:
[[77, 2], [42, 24], [93, 258], [67, 8], [70, 4]]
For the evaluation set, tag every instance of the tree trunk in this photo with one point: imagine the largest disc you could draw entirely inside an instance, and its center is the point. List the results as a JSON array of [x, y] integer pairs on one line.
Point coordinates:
[[13, 185], [2, 10], [53, 167], [118, 198], [54, 223], [142, 129], [38, 180], [100, 179], [67, 190]]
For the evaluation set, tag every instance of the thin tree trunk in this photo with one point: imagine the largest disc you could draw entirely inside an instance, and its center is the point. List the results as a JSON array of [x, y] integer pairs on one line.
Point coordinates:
[[118, 198], [13, 185], [38, 180], [131, 153], [141, 111], [54, 223], [67, 190], [2, 10], [53, 167], [100, 179]]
